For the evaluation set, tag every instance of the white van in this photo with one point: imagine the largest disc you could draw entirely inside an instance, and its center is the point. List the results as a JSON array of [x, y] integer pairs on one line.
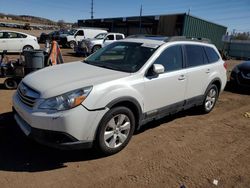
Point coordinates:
[[76, 35]]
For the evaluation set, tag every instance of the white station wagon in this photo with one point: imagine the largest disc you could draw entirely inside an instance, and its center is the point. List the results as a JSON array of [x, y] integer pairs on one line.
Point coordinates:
[[13, 41], [102, 100]]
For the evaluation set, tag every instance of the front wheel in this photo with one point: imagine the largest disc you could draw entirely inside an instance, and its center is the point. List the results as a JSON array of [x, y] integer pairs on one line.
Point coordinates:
[[72, 44], [95, 48], [115, 130], [210, 99]]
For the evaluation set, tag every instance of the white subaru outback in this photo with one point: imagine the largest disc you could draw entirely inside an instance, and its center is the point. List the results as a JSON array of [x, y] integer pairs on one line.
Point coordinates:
[[102, 100]]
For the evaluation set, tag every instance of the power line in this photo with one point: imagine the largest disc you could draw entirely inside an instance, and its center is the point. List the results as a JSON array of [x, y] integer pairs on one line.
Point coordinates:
[[92, 9]]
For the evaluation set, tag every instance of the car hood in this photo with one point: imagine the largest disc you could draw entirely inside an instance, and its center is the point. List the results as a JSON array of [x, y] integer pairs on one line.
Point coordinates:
[[244, 66], [92, 40], [59, 79], [63, 35]]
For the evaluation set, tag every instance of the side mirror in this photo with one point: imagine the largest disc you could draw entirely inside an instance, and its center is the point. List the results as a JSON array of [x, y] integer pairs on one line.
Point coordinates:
[[158, 68]]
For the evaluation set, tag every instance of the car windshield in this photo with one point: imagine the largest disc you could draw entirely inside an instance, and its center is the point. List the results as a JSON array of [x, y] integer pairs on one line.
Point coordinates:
[[72, 31], [100, 36], [122, 56]]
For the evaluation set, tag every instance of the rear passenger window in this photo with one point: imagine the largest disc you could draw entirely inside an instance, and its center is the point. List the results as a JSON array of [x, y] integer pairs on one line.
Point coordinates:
[[211, 54], [195, 55], [171, 58], [119, 37]]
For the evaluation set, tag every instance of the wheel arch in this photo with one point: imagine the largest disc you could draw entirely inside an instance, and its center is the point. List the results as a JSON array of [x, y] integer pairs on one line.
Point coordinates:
[[217, 82], [130, 103], [92, 49]]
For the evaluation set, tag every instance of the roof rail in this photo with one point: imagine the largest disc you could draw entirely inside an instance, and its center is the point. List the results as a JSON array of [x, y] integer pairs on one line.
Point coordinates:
[[185, 38]]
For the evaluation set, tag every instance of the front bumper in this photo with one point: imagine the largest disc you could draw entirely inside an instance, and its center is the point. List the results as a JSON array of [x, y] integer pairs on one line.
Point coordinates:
[[54, 139], [240, 79], [74, 128]]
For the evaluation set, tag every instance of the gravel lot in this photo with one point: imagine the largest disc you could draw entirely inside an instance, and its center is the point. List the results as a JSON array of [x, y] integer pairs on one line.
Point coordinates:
[[188, 149]]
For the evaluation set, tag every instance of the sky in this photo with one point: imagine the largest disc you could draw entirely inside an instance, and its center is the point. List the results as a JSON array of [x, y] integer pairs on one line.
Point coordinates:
[[234, 14]]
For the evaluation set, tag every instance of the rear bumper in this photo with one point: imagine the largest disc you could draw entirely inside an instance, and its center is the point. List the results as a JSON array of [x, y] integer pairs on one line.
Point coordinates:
[[50, 138]]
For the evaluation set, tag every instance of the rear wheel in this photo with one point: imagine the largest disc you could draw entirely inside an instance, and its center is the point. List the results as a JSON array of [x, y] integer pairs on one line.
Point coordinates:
[[115, 130], [210, 99], [27, 48], [10, 83]]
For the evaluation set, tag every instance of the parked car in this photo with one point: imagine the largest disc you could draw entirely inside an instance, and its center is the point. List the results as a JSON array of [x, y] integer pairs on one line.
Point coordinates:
[[76, 35], [54, 35], [88, 46], [14, 41], [240, 75], [116, 90]]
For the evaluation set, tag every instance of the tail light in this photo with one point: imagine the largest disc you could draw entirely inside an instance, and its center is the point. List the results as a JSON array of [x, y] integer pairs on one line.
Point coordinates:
[[225, 65]]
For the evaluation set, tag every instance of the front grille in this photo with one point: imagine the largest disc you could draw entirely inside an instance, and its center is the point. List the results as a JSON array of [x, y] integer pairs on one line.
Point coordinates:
[[27, 95], [246, 74]]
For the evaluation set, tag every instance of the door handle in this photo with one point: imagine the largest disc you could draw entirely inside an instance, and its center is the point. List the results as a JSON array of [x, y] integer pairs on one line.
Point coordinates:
[[182, 77], [208, 71]]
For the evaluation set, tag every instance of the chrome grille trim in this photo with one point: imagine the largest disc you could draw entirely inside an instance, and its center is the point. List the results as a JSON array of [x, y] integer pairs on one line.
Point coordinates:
[[27, 95]]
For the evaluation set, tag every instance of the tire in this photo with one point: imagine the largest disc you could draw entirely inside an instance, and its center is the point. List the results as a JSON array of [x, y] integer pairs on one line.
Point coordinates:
[[72, 44], [10, 83], [27, 47], [210, 99], [95, 48], [112, 136]]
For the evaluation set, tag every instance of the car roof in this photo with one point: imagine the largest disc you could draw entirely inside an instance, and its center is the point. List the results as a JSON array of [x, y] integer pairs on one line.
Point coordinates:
[[159, 40], [14, 32], [145, 41], [115, 33]]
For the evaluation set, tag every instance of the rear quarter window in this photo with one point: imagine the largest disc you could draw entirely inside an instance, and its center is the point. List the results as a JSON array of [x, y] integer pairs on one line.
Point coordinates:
[[211, 54], [195, 55]]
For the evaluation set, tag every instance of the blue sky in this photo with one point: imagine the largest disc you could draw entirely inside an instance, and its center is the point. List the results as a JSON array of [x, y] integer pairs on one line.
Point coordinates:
[[235, 14]]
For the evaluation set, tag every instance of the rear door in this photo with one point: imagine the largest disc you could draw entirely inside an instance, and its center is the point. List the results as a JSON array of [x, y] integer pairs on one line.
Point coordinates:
[[165, 92], [198, 71]]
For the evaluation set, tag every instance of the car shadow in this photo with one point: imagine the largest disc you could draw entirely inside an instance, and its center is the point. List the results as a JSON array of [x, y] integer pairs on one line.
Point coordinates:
[[167, 119], [21, 154], [236, 89]]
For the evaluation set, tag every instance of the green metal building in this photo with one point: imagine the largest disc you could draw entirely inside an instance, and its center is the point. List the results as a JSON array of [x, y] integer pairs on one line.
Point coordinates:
[[168, 25]]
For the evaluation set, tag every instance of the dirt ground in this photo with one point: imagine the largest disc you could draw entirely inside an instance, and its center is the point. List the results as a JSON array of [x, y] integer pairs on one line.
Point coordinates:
[[187, 149]]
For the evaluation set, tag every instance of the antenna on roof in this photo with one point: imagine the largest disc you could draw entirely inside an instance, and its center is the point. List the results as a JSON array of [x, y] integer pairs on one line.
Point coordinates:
[[92, 9]]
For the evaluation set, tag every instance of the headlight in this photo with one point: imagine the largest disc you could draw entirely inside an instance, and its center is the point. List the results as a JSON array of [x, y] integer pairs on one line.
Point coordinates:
[[66, 101]]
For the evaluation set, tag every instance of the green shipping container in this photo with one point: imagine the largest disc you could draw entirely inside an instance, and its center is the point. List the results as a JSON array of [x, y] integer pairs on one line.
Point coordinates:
[[196, 27]]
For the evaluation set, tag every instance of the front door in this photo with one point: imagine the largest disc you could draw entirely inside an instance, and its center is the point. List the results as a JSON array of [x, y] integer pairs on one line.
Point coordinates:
[[3, 42], [166, 90]]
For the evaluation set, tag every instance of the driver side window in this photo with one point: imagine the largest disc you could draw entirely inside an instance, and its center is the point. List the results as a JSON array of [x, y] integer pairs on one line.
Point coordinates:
[[80, 33], [110, 37], [171, 58]]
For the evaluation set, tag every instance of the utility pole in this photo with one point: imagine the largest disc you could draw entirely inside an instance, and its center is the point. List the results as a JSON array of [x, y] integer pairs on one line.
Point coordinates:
[[92, 9], [140, 19]]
